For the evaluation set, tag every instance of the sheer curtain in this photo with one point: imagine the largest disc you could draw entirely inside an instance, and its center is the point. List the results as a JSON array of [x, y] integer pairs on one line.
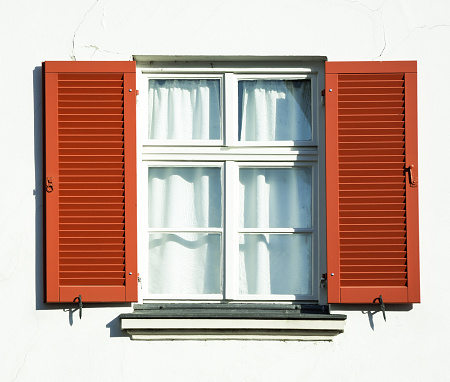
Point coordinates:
[[184, 109], [275, 110], [184, 198], [275, 263]]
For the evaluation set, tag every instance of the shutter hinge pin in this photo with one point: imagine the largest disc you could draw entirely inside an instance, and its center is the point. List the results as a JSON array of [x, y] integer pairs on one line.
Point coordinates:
[[322, 97], [323, 280]]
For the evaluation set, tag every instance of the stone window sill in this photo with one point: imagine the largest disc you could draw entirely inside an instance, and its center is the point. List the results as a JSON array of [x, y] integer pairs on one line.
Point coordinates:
[[232, 321]]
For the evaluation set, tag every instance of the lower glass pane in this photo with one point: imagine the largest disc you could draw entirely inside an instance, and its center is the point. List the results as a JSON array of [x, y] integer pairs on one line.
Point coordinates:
[[184, 197], [274, 264], [275, 197], [184, 263]]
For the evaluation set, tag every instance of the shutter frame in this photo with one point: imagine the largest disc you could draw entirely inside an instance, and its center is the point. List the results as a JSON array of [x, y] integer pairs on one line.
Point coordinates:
[[340, 122], [82, 272]]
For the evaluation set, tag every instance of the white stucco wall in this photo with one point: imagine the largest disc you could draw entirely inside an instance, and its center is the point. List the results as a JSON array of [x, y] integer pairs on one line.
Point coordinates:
[[44, 343]]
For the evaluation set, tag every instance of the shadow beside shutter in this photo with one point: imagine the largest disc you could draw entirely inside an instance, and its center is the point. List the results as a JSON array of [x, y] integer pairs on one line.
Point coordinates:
[[372, 206], [90, 118]]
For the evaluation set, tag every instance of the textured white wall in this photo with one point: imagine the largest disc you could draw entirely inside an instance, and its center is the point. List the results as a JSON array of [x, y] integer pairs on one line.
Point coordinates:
[[44, 343]]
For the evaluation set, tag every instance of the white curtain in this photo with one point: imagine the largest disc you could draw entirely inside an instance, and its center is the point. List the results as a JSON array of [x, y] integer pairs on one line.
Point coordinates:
[[183, 198], [275, 110], [271, 264], [180, 198], [184, 109], [275, 198]]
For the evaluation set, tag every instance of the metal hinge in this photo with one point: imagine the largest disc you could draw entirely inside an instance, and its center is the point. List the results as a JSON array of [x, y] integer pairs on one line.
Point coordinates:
[[323, 281]]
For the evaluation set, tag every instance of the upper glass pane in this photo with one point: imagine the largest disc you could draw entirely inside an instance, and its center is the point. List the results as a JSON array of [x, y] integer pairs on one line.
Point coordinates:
[[184, 109], [184, 197], [274, 110], [275, 197]]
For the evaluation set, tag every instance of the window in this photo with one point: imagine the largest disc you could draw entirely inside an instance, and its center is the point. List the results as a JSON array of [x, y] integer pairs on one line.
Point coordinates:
[[230, 163], [249, 191]]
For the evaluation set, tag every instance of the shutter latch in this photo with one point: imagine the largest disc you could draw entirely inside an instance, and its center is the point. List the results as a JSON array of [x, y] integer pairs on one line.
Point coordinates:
[[413, 180], [383, 307], [49, 185], [80, 304]]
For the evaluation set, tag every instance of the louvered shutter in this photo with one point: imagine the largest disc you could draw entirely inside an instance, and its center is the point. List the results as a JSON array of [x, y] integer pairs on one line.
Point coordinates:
[[372, 193], [90, 170]]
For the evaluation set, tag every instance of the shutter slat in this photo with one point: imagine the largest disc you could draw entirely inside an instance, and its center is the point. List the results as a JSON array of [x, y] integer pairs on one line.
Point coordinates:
[[92, 256], [376, 262], [369, 198], [91, 282], [86, 261], [90, 124], [93, 244]]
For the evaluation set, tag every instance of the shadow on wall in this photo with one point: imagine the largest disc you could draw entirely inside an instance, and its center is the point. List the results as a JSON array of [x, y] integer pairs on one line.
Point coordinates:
[[39, 187], [371, 310]]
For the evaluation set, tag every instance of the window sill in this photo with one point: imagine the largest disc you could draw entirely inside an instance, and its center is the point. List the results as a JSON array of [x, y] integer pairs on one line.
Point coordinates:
[[232, 322]]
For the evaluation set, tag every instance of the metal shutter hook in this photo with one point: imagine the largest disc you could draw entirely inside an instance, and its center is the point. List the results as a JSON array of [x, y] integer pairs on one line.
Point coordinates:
[[383, 307], [80, 304]]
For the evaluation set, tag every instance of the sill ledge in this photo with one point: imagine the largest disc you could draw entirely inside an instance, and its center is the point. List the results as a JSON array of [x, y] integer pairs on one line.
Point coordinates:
[[280, 322]]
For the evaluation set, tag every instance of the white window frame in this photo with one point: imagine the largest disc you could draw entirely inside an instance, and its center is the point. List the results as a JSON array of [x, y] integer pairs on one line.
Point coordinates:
[[232, 154]]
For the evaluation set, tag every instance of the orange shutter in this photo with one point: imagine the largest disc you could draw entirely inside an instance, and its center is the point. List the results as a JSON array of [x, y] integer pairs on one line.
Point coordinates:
[[372, 193], [90, 170]]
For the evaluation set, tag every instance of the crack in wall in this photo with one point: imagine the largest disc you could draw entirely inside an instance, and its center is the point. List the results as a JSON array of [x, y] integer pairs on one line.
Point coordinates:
[[377, 10], [431, 27], [27, 353], [420, 28], [97, 49], [72, 56]]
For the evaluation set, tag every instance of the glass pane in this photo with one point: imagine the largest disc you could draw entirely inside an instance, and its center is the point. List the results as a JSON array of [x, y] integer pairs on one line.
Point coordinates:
[[184, 109], [274, 110], [184, 263], [275, 197], [275, 264], [184, 197]]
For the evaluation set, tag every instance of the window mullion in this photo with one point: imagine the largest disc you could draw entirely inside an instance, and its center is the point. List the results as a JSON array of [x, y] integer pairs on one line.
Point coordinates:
[[230, 110], [231, 242]]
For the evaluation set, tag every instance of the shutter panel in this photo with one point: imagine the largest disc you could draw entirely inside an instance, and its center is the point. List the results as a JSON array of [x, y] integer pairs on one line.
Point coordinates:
[[372, 203], [90, 150]]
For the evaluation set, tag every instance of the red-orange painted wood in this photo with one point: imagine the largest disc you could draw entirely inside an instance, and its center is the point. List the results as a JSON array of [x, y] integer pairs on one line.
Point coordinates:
[[90, 126], [332, 172], [372, 207]]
